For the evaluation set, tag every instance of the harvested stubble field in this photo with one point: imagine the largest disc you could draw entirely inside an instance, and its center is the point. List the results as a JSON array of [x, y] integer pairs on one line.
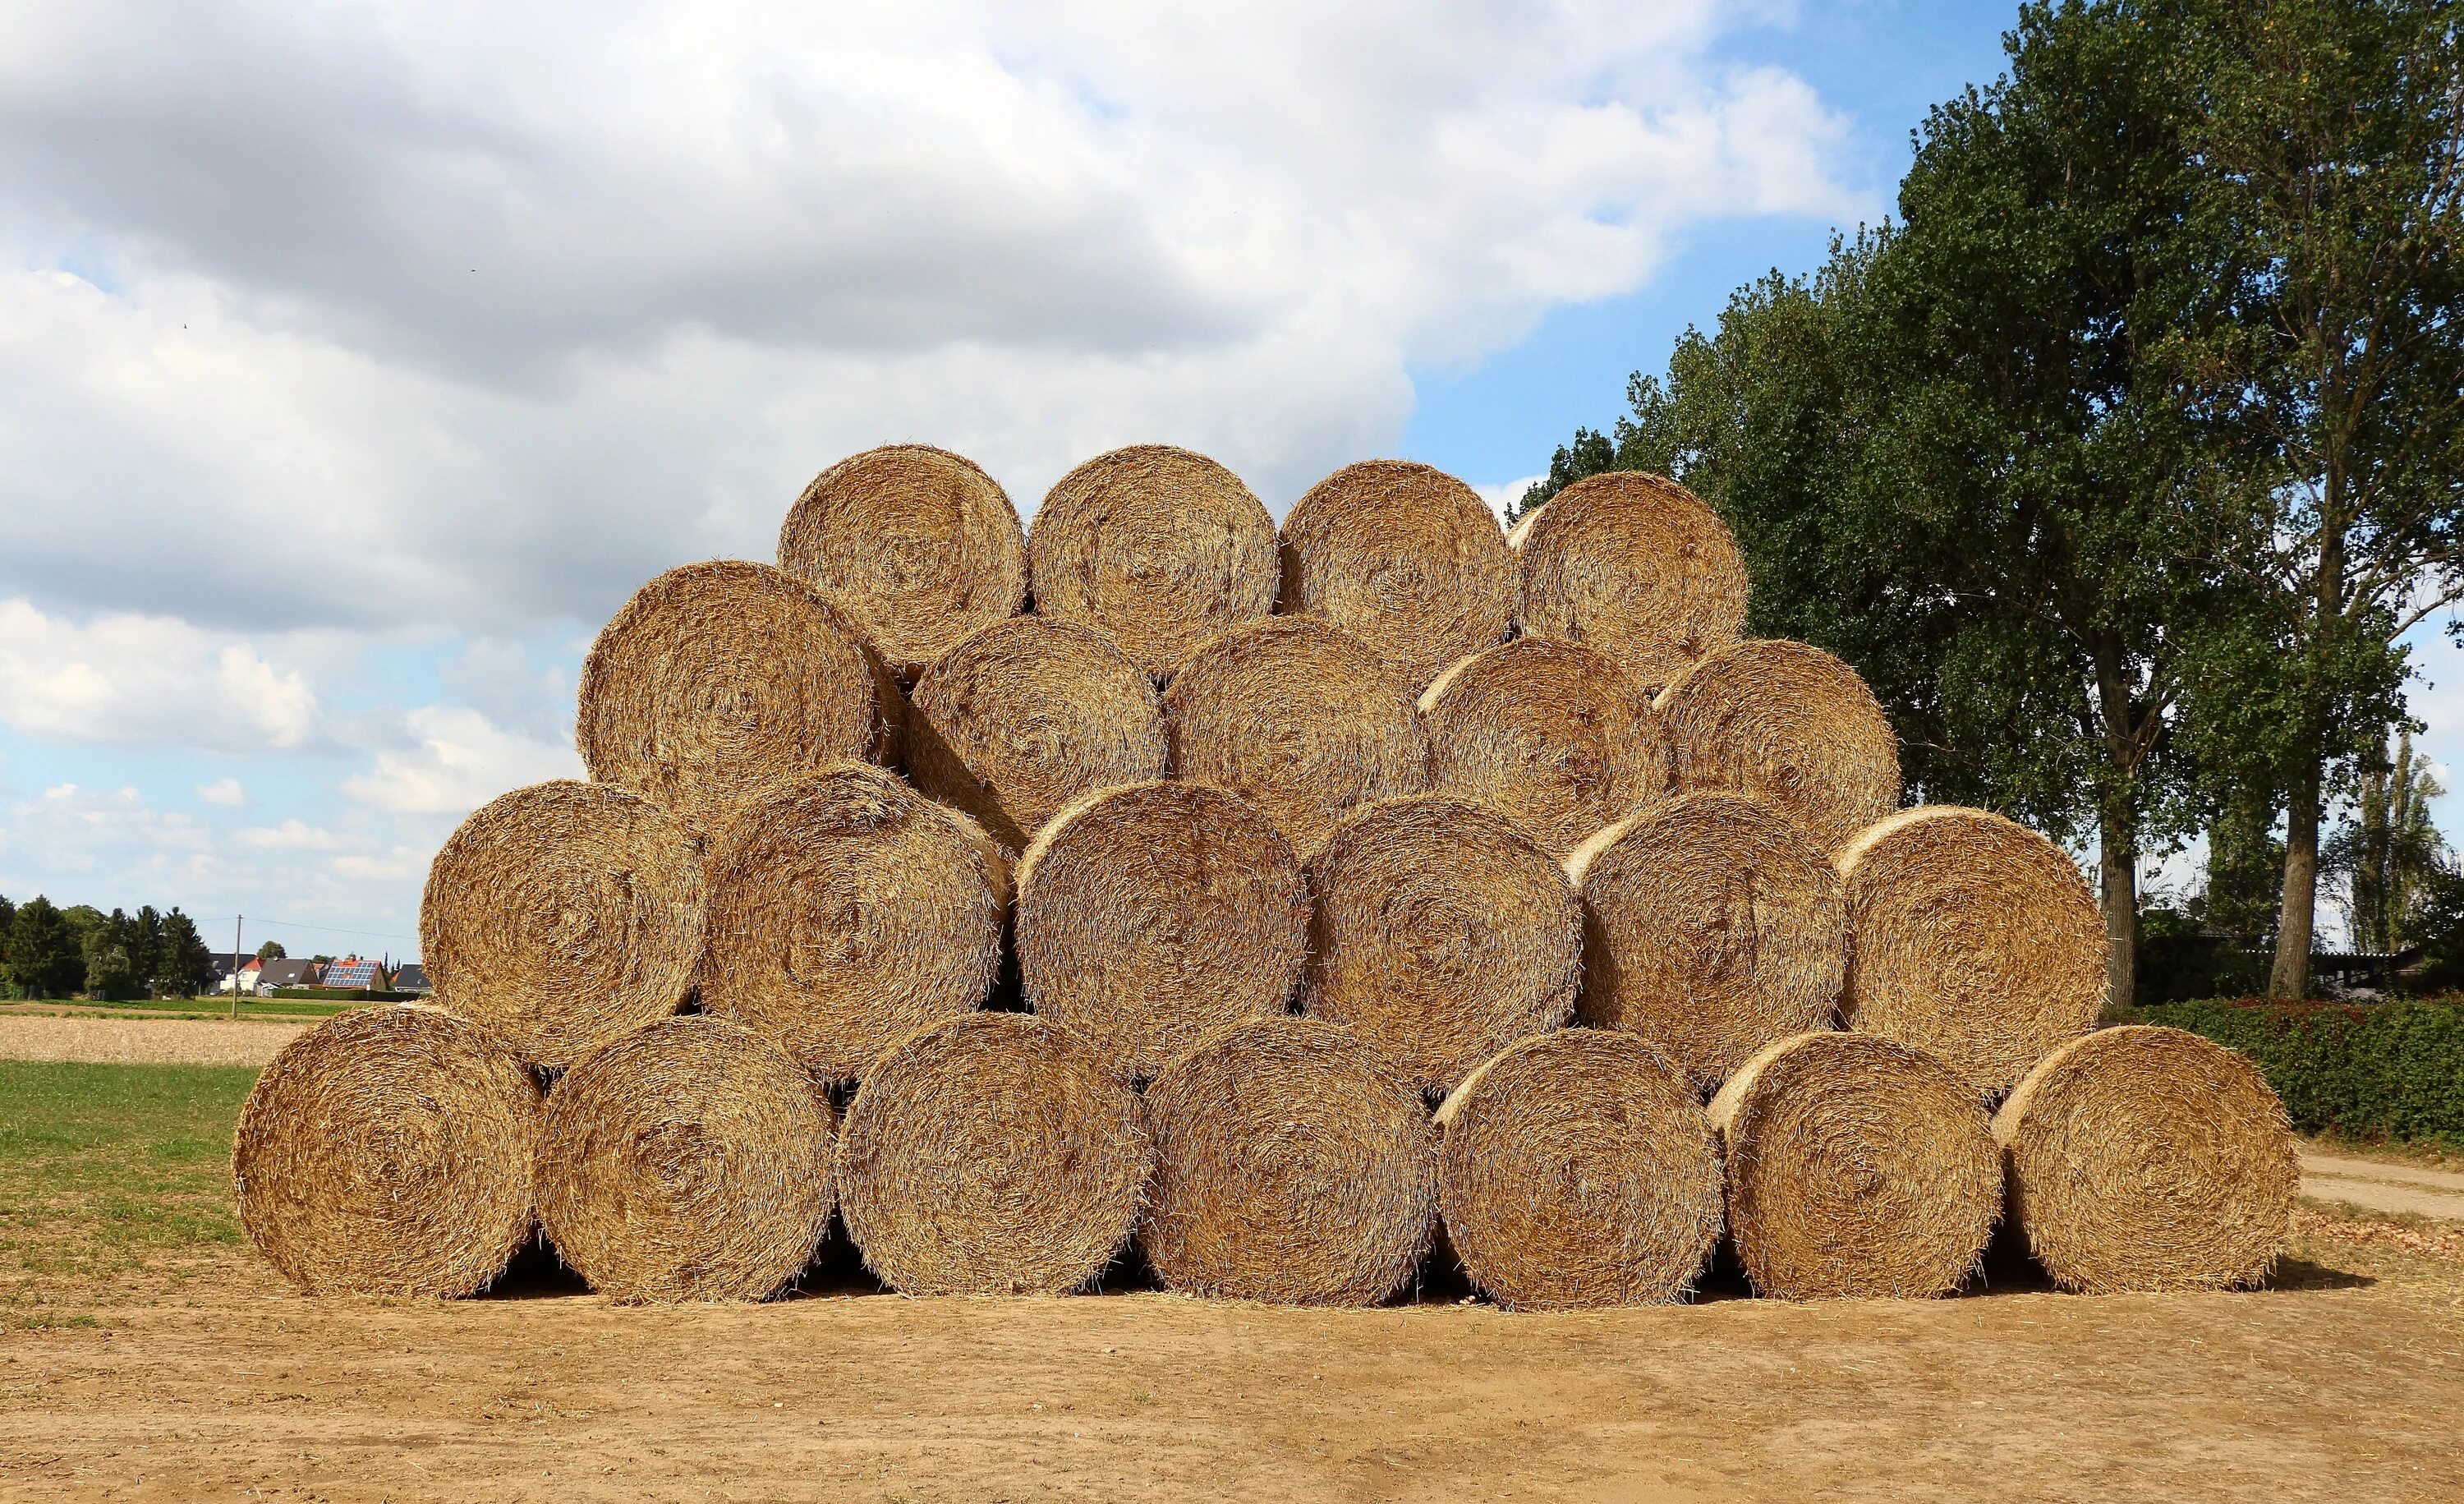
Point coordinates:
[[145, 1353]]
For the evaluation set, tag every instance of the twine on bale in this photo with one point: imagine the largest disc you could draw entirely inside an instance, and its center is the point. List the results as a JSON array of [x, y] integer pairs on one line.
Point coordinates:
[[1710, 929], [2149, 1159], [994, 1154], [1440, 933], [1300, 719], [387, 1152], [717, 677], [1148, 915], [1552, 732], [1973, 939], [846, 911], [687, 1161], [1291, 1165], [561, 916], [1158, 548], [1577, 1169], [1635, 566], [1787, 724], [1405, 556], [1024, 717], [919, 543], [1855, 1166]]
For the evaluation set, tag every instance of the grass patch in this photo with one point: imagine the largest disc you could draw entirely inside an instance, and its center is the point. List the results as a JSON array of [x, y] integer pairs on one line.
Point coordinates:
[[189, 1007]]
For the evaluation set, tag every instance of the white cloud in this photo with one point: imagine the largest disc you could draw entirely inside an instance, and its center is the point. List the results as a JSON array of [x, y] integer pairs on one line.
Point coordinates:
[[463, 761], [151, 679], [1502, 496], [290, 835], [222, 791]]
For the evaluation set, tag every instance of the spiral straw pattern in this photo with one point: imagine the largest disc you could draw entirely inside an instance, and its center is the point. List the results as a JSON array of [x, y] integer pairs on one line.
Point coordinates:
[[388, 1152], [993, 1154], [846, 911], [2149, 1159], [1440, 933], [1404, 556], [1787, 724], [1577, 1169], [1633, 565], [1710, 929], [562, 916], [1158, 548], [1855, 1166], [1026, 717], [1291, 1165], [1552, 732], [1973, 939]]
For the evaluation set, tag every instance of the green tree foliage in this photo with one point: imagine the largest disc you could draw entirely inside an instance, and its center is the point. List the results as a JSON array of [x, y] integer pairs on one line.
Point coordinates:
[[2389, 850], [271, 950], [184, 964], [45, 957]]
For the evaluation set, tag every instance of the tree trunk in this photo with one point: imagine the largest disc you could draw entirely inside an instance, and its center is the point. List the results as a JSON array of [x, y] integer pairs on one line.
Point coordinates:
[[2290, 978], [2119, 895], [2117, 716]]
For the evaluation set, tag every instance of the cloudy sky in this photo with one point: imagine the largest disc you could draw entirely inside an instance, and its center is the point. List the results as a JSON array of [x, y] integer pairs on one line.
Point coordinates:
[[357, 360]]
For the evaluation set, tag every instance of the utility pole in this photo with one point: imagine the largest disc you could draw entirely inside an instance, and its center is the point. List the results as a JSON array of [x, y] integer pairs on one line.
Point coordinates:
[[235, 922]]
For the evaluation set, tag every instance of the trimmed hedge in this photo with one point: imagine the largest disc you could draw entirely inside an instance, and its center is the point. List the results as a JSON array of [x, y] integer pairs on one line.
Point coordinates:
[[345, 994], [2382, 1071]]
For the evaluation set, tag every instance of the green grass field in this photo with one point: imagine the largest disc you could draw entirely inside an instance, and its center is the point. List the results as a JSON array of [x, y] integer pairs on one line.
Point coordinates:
[[197, 1007]]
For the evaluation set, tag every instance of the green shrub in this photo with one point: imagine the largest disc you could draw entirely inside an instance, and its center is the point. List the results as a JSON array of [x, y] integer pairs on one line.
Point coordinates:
[[2388, 1069], [344, 994]]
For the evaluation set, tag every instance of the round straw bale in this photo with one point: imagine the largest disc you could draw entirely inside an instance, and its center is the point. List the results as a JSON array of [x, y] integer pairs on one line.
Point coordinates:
[[920, 544], [1710, 929], [561, 916], [1787, 724], [846, 911], [1855, 1166], [993, 1154], [1579, 1170], [1300, 719], [2149, 1159], [717, 677], [1293, 1165], [1149, 914], [1973, 939], [1404, 555], [1440, 933], [1026, 717], [687, 1161], [388, 1152], [1160, 547], [1552, 732], [1635, 566]]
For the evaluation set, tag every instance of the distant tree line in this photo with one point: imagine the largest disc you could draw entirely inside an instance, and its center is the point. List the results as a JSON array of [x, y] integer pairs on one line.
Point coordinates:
[[2122, 459], [47, 951]]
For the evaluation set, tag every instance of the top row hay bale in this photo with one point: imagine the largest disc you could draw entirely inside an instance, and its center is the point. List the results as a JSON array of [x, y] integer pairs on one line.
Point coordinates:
[[716, 679], [1157, 547], [918, 543], [1633, 565], [1406, 557]]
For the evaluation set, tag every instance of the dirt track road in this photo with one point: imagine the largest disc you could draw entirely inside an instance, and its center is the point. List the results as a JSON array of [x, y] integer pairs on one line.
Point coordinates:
[[2379, 1187]]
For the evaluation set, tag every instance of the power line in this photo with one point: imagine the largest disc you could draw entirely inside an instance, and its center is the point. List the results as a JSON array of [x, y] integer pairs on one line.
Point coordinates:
[[291, 924]]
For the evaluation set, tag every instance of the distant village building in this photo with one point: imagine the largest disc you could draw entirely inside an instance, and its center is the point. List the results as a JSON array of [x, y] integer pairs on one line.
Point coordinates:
[[352, 971], [412, 977], [274, 975]]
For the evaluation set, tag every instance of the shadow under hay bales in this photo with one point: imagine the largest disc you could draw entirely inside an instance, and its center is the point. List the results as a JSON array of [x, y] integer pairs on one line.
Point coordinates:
[[1129, 1273], [837, 1270], [536, 1273], [2299, 1274]]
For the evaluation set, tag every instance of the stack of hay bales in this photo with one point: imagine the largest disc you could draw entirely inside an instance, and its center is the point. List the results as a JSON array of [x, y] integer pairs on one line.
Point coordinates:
[[1012, 897]]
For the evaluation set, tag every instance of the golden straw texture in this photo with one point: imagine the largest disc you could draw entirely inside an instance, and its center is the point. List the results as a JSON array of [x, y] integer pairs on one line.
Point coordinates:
[[717, 677], [1789, 725], [1148, 915], [2149, 1159], [1552, 732], [1291, 1165], [1440, 933], [1026, 717], [1405, 556], [1577, 1169], [1301, 720], [1855, 1166], [846, 911], [387, 1152], [687, 1161], [1635, 566], [1160, 547], [918, 543], [1710, 929], [1972, 938], [562, 916], [994, 1154]]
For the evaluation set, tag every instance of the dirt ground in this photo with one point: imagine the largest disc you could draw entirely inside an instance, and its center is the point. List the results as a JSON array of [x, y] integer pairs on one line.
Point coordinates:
[[144, 1041], [204, 1379]]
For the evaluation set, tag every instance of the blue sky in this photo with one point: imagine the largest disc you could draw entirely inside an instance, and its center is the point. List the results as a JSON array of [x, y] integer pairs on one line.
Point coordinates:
[[353, 369]]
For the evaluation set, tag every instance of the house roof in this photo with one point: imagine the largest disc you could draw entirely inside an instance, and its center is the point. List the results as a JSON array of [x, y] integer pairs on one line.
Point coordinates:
[[351, 971], [288, 974], [410, 976]]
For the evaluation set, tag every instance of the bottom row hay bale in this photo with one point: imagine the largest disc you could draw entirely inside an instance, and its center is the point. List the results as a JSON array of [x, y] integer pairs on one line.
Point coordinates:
[[2149, 1159], [1855, 1166], [388, 1152], [1291, 1165], [687, 1161], [993, 1154], [1578, 1170]]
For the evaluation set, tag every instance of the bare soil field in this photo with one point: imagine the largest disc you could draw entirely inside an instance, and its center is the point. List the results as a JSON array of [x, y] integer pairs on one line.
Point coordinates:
[[144, 1041]]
